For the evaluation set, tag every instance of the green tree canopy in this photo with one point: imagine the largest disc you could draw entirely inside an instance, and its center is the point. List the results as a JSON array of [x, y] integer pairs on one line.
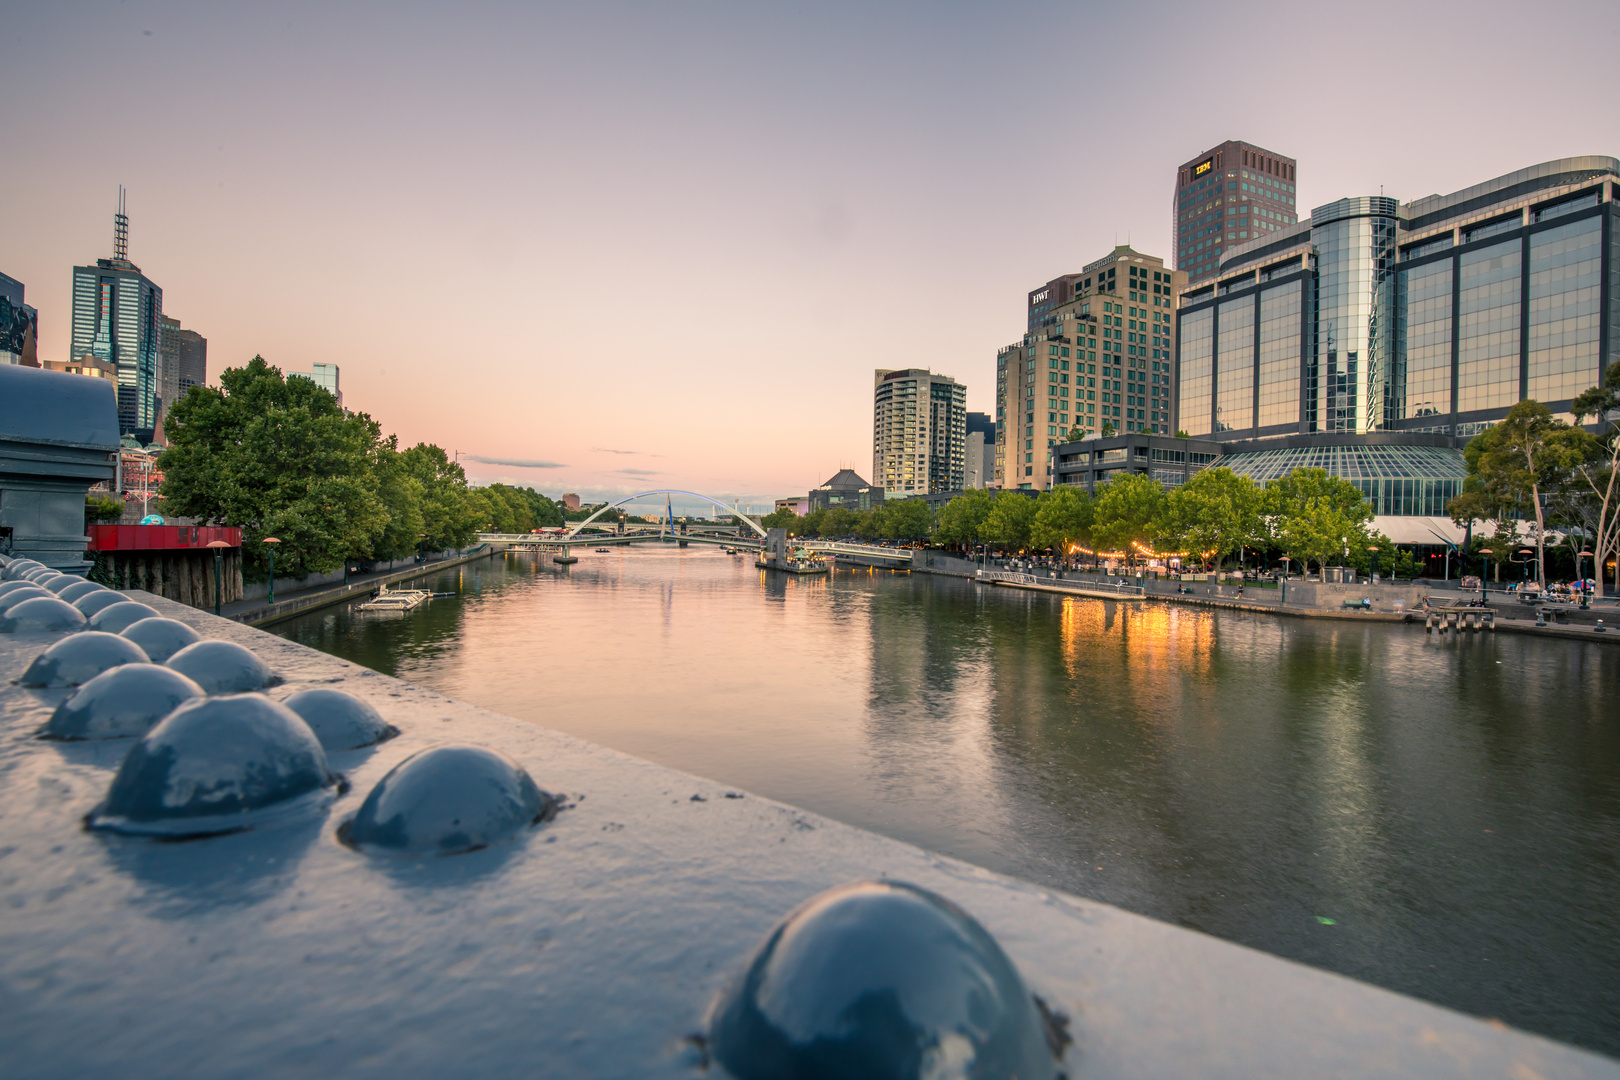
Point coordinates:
[[1516, 464], [1063, 516], [1216, 510], [1010, 521], [1314, 516], [961, 521], [1128, 511], [783, 519], [275, 457], [905, 519]]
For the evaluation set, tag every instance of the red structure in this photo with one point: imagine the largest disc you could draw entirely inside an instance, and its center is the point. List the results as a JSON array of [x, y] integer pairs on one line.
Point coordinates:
[[173, 561], [160, 537]]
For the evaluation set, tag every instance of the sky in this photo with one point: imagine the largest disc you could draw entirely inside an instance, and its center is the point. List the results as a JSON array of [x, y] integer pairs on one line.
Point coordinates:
[[608, 247]]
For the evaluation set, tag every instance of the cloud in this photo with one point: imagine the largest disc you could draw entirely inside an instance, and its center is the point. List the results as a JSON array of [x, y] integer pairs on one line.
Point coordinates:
[[517, 463], [639, 472], [633, 453]]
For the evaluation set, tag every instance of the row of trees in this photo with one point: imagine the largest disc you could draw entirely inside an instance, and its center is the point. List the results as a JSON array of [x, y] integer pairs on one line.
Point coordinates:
[[279, 457], [1308, 515]]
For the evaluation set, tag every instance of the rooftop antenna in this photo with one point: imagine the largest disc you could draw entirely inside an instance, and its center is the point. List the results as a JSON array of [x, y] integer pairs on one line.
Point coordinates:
[[121, 230]]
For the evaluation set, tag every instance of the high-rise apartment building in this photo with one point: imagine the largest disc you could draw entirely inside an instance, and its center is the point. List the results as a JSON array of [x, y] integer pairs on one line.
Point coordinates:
[[919, 432], [1228, 196], [323, 375], [185, 362], [1099, 350], [1435, 316], [117, 318], [19, 326]]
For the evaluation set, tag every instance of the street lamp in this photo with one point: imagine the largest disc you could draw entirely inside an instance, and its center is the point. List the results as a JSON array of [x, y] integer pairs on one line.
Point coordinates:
[[1374, 549], [272, 541], [219, 547], [1484, 567]]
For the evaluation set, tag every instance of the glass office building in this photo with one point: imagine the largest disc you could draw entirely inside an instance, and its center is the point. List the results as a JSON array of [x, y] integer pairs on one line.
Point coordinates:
[[1397, 479], [117, 319], [1435, 316]]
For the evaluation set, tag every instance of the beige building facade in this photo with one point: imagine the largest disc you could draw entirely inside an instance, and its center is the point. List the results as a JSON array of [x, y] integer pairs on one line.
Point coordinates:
[[1101, 357]]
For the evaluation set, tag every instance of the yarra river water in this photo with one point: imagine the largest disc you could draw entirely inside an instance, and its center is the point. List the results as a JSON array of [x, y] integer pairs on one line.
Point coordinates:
[[1451, 805]]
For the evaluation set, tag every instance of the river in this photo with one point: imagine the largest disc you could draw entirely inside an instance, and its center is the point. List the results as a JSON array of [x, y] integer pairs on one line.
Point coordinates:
[[1435, 815]]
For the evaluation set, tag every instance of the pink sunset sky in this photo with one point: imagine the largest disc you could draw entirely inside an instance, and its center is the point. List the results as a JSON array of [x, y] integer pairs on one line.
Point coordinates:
[[607, 247]]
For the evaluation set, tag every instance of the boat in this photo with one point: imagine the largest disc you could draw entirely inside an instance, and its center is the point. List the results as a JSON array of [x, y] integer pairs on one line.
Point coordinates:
[[564, 558], [397, 601], [603, 551]]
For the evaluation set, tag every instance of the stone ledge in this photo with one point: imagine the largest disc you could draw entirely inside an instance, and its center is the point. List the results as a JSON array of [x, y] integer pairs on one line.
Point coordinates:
[[592, 947]]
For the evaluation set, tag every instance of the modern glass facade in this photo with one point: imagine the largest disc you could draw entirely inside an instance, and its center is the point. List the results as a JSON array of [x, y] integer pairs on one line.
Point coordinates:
[[1432, 316], [1355, 261], [1423, 370], [1234, 379], [1281, 312], [1488, 327], [1565, 309], [1404, 480], [1197, 371]]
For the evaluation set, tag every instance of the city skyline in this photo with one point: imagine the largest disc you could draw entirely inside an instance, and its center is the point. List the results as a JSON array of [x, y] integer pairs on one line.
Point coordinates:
[[790, 200]]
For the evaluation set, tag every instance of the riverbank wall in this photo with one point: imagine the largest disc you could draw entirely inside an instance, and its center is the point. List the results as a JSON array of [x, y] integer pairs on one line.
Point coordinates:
[[299, 603], [1389, 602], [591, 944]]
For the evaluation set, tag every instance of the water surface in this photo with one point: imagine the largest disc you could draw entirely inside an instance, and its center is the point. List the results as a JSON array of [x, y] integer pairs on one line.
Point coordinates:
[[1440, 816]]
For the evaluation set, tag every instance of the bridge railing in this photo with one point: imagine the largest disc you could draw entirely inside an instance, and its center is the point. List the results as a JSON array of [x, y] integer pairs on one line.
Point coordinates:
[[1013, 577], [869, 550]]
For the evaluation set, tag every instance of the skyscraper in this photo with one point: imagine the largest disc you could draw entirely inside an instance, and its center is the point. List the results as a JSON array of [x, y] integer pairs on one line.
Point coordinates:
[[1099, 350], [919, 432], [185, 362], [117, 318], [1225, 196]]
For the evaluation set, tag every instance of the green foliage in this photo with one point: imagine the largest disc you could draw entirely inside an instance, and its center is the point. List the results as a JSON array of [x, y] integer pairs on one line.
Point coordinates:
[[1314, 516], [904, 519], [1063, 516], [1216, 511], [1181, 433], [1108, 431], [278, 457], [1515, 465], [1011, 521], [1077, 433], [783, 519], [1128, 511], [961, 521], [101, 509]]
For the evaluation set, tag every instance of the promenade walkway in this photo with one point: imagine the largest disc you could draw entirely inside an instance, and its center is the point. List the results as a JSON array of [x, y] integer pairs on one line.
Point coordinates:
[[257, 612]]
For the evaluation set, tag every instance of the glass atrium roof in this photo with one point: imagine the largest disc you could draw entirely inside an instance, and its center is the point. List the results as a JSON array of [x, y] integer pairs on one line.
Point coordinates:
[[1350, 462]]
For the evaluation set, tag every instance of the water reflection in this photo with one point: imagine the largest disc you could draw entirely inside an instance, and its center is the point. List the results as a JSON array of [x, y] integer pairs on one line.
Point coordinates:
[[1436, 815]]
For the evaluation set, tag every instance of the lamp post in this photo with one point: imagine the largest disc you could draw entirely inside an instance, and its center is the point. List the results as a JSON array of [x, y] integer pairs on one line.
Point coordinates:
[[1374, 549], [272, 541], [219, 547], [1484, 567], [1580, 561]]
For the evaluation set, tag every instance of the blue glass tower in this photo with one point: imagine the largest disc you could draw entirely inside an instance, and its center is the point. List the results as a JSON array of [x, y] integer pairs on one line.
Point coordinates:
[[117, 318]]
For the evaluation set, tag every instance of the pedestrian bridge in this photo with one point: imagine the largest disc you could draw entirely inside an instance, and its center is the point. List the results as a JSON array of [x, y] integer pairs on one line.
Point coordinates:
[[694, 534]]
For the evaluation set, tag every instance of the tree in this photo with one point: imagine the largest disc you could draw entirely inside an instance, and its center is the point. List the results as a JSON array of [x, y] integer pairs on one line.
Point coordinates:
[[1107, 431], [1598, 472], [100, 509], [1010, 520], [1129, 509], [961, 521], [1078, 433], [905, 519], [1514, 465], [448, 518], [783, 519], [1216, 511], [1063, 516], [837, 521], [1181, 433], [276, 457], [1315, 516]]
